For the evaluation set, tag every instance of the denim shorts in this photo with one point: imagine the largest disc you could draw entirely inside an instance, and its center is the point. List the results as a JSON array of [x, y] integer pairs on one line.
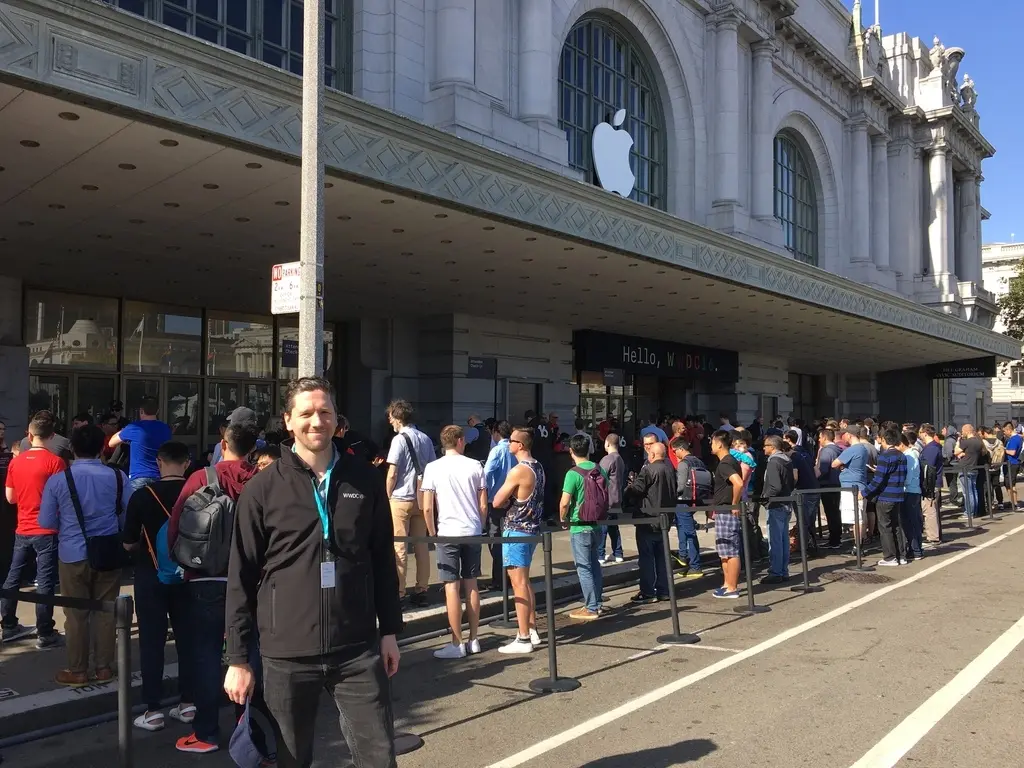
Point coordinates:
[[458, 561], [517, 554]]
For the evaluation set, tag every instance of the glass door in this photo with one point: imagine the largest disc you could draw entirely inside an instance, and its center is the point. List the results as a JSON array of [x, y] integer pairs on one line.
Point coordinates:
[[93, 394], [137, 389], [180, 409], [224, 396], [50, 392]]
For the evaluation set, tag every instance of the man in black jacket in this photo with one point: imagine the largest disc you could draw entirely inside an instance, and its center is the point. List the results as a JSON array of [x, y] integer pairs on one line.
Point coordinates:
[[778, 484], [313, 557], [654, 489]]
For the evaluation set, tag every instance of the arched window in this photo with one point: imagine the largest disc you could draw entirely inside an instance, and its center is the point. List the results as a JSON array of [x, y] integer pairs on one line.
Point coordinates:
[[601, 72], [795, 200]]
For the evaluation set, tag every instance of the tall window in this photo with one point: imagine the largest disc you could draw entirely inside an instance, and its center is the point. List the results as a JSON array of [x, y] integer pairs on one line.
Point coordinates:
[[601, 72], [795, 201], [1017, 375], [268, 30]]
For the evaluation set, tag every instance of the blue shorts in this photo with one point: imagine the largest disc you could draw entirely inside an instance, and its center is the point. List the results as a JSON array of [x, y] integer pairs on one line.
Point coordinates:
[[517, 555]]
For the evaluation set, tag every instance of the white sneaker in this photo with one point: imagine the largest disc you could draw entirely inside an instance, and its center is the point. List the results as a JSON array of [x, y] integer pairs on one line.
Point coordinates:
[[519, 645], [535, 640], [451, 652], [473, 647], [620, 559]]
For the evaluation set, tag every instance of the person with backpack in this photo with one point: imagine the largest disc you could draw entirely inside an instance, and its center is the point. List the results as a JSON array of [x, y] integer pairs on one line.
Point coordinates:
[[778, 484], [652, 490], [694, 487], [583, 509], [199, 536], [159, 587]]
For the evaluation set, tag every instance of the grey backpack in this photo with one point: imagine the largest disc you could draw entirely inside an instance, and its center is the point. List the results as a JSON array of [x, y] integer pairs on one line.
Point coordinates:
[[204, 529]]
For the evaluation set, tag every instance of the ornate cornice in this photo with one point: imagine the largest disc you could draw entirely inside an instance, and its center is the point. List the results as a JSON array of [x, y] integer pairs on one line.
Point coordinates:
[[121, 61]]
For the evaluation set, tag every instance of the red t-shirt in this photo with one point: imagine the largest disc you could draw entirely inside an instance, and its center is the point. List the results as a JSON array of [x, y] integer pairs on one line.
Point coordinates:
[[27, 475]]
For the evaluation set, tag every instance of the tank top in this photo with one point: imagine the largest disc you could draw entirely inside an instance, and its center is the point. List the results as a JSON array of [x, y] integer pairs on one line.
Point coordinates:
[[525, 516]]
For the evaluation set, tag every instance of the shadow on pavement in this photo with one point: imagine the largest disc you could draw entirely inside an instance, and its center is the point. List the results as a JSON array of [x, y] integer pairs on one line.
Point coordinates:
[[689, 751]]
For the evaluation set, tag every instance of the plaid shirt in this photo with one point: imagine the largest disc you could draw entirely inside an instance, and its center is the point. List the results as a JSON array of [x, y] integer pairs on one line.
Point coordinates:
[[889, 479]]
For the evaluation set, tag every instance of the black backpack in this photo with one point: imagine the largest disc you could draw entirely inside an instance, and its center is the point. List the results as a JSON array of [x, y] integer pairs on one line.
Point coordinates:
[[204, 529], [695, 484]]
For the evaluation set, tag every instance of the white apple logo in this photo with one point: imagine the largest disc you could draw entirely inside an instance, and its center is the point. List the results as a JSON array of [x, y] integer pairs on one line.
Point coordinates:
[[611, 147]]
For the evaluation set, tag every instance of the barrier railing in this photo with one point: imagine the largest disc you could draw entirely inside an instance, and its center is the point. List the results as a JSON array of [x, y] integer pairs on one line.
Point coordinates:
[[123, 609]]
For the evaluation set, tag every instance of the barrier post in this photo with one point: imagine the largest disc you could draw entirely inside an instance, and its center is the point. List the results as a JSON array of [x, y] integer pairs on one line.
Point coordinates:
[[124, 610], [802, 535], [748, 556], [965, 492], [552, 683], [676, 638], [991, 494], [859, 534], [505, 622]]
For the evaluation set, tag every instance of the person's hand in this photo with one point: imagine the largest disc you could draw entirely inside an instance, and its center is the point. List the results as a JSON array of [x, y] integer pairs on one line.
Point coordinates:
[[239, 683], [389, 654]]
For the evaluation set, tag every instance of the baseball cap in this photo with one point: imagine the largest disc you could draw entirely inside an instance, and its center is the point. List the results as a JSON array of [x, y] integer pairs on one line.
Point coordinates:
[[242, 416], [253, 728]]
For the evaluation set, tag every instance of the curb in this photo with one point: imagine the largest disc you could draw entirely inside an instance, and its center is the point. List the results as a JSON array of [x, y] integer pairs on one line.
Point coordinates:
[[23, 716]]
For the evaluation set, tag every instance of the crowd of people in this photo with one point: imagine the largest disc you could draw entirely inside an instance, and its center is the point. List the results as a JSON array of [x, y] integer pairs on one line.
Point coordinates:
[[283, 553]]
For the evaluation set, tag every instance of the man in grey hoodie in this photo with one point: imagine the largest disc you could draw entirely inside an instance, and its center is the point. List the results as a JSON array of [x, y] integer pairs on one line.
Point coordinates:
[[951, 438], [779, 479]]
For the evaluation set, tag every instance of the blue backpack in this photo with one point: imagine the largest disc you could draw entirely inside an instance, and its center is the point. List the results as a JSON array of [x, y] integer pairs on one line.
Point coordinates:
[[167, 570]]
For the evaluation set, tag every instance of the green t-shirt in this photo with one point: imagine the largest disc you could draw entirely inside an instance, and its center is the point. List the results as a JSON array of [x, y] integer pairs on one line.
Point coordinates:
[[573, 485]]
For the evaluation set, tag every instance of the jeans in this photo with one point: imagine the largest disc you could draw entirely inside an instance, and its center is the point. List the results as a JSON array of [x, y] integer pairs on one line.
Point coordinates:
[[778, 539], [155, 602], [833, 517], [361, 692], [810, 504], [140, 482], [967, 482], [894, 541], [686, 529], [653, 574], [913, 524], [588, 569], [613, 532], [44, 549], [206, 651], [495, 520]]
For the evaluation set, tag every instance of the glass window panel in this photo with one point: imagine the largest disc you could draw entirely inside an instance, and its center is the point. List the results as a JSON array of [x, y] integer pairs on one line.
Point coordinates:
[[295, 64], [288, 348], [208, 8], [329, 44], [133, 6], [273, 56], [273, 30], [175, 18], [239, 345], [295, 28], [135, 391], [49, 392], [237, 43], [207, 31], [222, 398], [238, 14], [160, 339], [179, 3], [181, 408], [93, 395], [65, 329]]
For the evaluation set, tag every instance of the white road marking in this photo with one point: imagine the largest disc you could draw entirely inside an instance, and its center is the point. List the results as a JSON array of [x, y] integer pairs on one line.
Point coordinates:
[[905, 736], [644, 654], [560, 739], [702, 647]]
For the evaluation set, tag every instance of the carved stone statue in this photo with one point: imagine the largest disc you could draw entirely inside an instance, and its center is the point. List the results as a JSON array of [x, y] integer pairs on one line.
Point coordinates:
[[872, 49], [968, 94], [953, 57], [936, 55]]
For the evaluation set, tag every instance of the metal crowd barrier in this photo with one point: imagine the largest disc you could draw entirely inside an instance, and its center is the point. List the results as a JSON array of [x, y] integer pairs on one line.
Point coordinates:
[[123, 609]]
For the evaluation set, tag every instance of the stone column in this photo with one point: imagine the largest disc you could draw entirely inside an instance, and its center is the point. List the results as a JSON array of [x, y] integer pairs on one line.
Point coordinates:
[[455, 42], [969, 248], [727, 114], [860, 219], [763, 206], [880, 200], [536, 78], [940, 180]]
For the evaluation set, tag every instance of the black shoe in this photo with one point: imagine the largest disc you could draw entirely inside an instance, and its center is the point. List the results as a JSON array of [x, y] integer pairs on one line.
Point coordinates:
[[830, 545], [772, 579], [52, 640], [662, 598], [641, 599], [419, 599]]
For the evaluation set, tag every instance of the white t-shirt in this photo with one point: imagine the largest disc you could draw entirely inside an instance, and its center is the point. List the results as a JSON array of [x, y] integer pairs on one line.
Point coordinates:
[[456, 482]]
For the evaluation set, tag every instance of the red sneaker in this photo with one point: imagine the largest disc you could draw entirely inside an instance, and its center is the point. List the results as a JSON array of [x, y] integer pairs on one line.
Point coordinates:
[[192, 744]]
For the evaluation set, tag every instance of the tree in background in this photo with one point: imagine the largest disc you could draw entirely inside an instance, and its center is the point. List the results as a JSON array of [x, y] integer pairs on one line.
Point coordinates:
[[1011, 304]]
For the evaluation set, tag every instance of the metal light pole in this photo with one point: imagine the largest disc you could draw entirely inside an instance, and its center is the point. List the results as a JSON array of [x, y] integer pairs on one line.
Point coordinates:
[[311, 228]]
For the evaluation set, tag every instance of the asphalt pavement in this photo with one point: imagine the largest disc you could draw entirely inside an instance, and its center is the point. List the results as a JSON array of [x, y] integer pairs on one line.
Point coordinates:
[[913, 666]]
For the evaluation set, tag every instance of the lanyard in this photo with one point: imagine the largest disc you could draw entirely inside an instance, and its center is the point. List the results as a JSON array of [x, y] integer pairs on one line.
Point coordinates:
[[321, 499]]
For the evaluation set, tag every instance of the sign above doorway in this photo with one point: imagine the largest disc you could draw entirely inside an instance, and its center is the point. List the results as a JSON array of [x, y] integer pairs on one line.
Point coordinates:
[[974, 368], [597, 351]]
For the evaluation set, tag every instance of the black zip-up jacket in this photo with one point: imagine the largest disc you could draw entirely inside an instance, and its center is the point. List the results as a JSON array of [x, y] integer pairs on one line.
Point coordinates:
[[653, 489], [778, 477], [276, 554]]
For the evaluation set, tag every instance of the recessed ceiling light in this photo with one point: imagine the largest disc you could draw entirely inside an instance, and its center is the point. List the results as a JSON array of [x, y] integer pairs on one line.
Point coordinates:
[[136, 221], [29, 143], [603, 256], [89, 188], [489, 250], [635, 264], [594, 274], [530, 239], [173, 247], [344, 218], [586, 290], [282, 203], [168, 143], [26, 223], [104, 237], [556, 284], [172, 205], [398, 230], [455, 279], [211, 186], [623, 281], [56, 206], [407, 253], [569, 248], [206, 234], [446, 242], [2, 169], [488, 270], [488, 229], [415, 274], [450, 263], [126, 166], [440, 215], [489, 287], [524, 277], [358, 244], [660, 272], [268, 245], [387, 201], [528, 259], [673, 293], [254, 166], [328, 184], [563, 267], [67, 116], [242, 219]]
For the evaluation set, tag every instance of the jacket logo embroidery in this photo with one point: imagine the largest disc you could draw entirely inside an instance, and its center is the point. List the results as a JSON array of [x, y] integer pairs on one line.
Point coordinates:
[[352, 496]]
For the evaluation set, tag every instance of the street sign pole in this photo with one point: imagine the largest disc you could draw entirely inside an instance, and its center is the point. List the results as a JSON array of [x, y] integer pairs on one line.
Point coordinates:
[[311, 228]]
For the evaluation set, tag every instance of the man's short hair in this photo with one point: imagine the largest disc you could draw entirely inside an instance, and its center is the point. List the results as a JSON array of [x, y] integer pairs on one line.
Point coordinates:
[[909, 437], [740, 435], [43, 425], [504, 429], [775, 442], [652, 436], [343, 423], [149, 406], [680, 444], [864, 433], [611, 439], [1007, 424], [928, 430], [401, 411], [723, 436], [85, 417], [450, 435], [87, 441], [828, 434], [306, 384], [579, 423], [174, 452], [241, 438], [579, 445], [525, 436], [792, 437], [891, 436]]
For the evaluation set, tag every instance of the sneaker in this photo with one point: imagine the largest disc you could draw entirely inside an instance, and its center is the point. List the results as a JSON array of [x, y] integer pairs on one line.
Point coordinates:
[[535, 640], [723, 594], [451, 652], [930, 546], [888, 562], [192, 743], [641, 599], [519, 645], [150, 721], [473, 647], [620, 559], [17, 632], [693, 574], [773, 579], [419, 600], [831, 546], [681, 562], [583, 614], [183, 713], [662, 598], [44, 642]]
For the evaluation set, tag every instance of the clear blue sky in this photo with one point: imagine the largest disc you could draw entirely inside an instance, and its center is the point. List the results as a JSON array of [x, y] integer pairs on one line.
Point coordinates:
[[991, 32]]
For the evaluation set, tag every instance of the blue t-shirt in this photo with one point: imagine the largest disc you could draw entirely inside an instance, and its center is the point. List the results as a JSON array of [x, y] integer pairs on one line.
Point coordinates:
[[145, 437], [1014, 444], [855, 470]]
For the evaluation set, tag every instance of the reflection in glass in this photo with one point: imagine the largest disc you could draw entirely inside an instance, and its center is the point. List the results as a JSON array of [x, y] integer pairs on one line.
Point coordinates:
[[94, 395], [159, 339], [135, 391], [222, 398], [49, 393], [288, 349], [181, 410], [64, 329], [239, 346]]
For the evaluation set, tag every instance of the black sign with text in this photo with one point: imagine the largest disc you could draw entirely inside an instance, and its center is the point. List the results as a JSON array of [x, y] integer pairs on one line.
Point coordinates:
[[975, 368], [482, 368], [597, 351]]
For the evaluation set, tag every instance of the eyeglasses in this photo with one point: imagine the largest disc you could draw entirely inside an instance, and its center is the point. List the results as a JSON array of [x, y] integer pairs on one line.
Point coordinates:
[[517, 442]]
